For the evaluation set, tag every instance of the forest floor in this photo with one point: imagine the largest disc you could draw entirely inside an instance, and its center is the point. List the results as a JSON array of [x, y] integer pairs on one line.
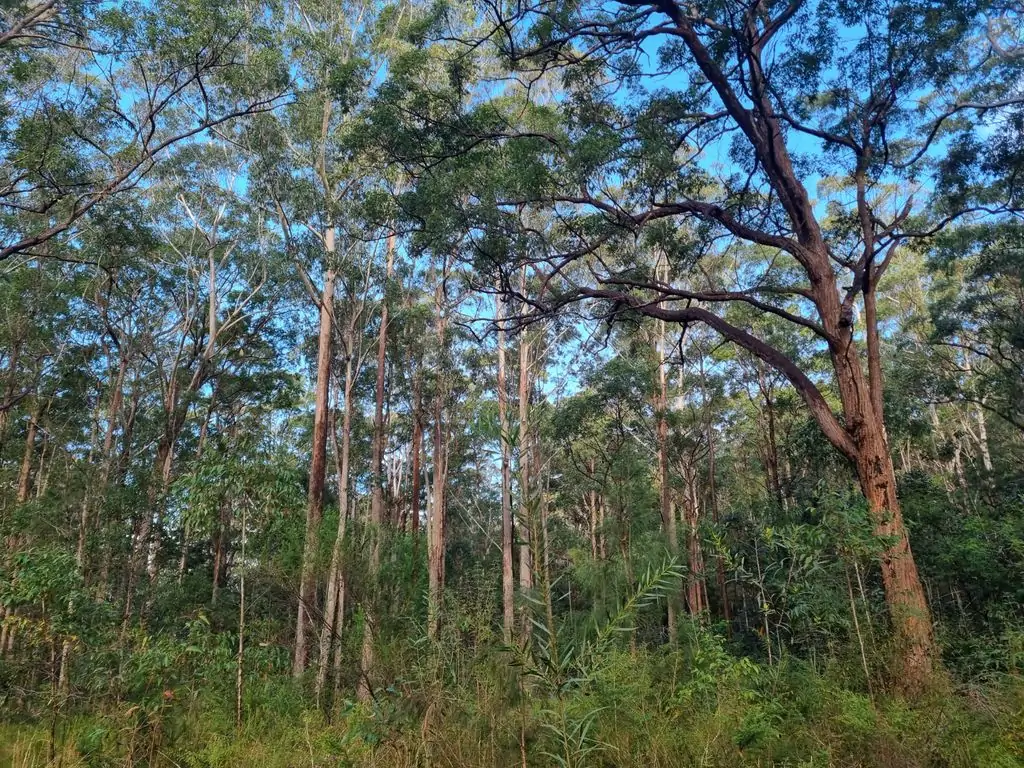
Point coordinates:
[[641, 709]]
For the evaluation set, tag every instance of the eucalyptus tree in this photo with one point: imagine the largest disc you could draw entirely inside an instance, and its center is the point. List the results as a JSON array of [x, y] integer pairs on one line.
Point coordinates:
[[977, 301], [309, 170], [747, 109], [206, 281], [95, 96]]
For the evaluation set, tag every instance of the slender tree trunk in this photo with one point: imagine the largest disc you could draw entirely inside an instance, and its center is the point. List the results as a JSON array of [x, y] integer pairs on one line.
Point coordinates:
[[24, 490], [417, 452], [986, 456], [334, 610], [436, 526], [317, 472], [691, 511], [436, 532], [507, 541], [591, 504], [525, 480], [377, 466], [668, 520], [341, 469], [240, 660], [771, 442], [713, 499], [9, 388], [377, 512]]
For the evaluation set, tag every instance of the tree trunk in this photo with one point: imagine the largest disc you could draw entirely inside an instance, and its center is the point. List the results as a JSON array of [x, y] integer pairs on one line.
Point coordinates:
[[415, 464], [525, 481], [24, 490], [668, 521], [436, 523], [9, 388], [317, 471], [713, 503], [904, 595], [507, 541], [691, 512], [376, 467], [334, 610]]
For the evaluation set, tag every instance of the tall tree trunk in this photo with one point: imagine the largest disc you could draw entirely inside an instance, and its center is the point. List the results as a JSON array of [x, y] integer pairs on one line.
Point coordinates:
[[377, 466], [908, 606], [525, 481], [334, 610], [668, 520], [771, 441], [691, 513], [9, 388], [507, 541], [436, 526], [317, 471], [861, 398], [24, 490], [417, 451], [24, 487], [713, 503]]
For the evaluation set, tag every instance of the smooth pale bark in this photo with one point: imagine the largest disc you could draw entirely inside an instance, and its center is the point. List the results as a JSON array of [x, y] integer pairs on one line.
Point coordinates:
[[436, 525], [113, 419], [507, 540], [525, 481], [317, 472], [341, 472], [24, 487], [335, 607], [712, 486], [436, 518], [240, 653], [696, 595], [417, 454], [377, 461], [377, 512], [668, 518], [977, 409]]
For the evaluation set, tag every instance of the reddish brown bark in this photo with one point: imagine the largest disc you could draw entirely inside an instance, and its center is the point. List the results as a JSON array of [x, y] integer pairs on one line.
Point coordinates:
[[317, 473]]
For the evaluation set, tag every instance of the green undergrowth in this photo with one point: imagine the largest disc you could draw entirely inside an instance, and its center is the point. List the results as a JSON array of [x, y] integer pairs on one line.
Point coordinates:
[[699, 705]]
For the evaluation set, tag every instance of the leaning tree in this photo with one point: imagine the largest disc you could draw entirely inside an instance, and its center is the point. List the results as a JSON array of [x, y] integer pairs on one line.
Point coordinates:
[[808, 135]]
